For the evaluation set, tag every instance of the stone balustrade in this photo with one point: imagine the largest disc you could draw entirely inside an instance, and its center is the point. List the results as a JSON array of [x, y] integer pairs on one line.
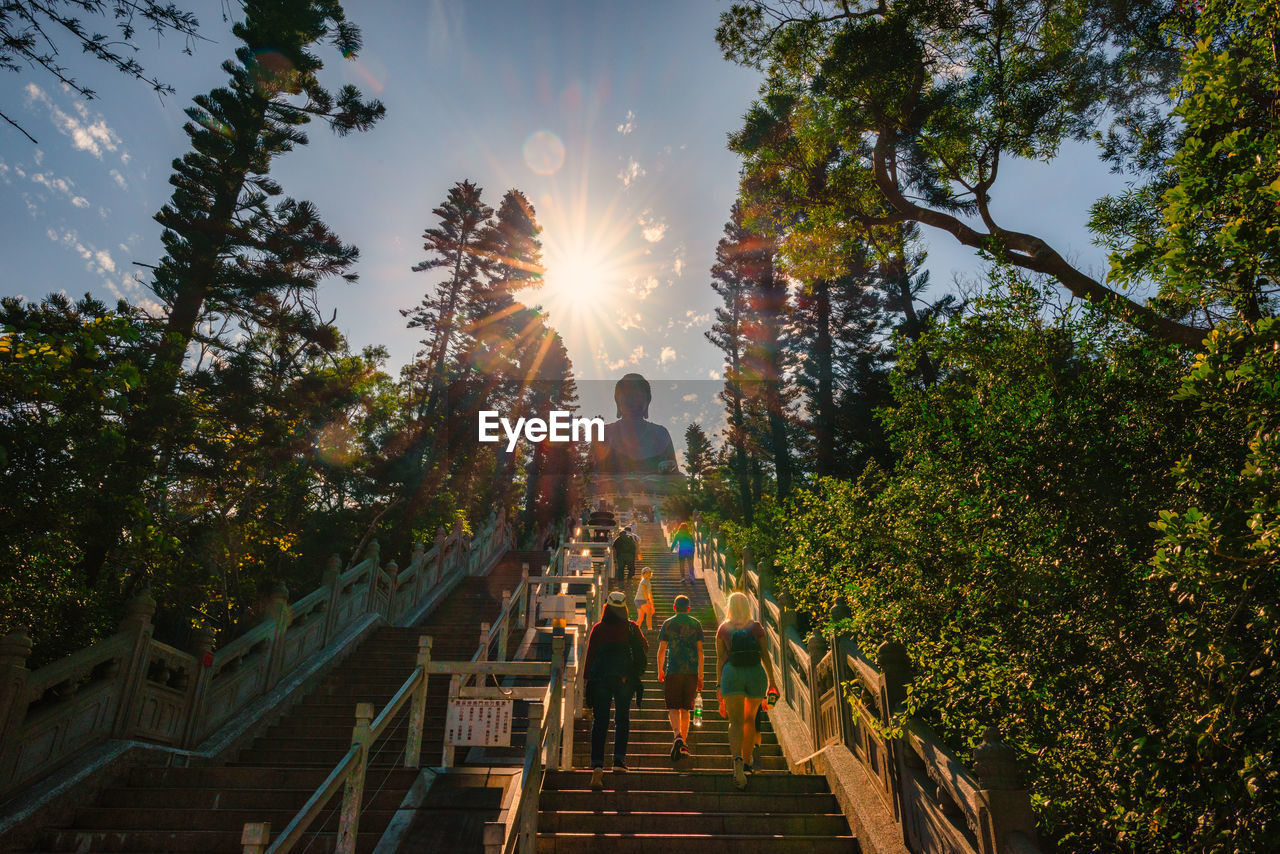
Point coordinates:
[[846, 705], [131, 686]]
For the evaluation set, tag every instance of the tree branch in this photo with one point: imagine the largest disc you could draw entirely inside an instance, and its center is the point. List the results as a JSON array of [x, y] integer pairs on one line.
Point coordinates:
[[1028, 252]]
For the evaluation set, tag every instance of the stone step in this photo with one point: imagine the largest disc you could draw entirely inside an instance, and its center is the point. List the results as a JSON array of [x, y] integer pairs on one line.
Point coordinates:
[[259, 777], [644, 745], [663, 801], [160, 819], [656, 843], [685, 823], [662, 761], [229, 798], [176, 841]]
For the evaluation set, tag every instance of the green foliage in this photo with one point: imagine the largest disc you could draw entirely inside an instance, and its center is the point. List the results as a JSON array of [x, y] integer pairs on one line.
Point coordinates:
[[1008, 551], [66, 373]]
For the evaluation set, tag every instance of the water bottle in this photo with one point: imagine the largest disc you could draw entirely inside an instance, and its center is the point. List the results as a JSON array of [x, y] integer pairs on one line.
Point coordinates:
[[697, 710]]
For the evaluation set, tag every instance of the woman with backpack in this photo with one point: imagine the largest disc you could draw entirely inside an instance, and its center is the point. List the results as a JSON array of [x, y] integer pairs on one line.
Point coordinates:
[[746, 678], [617, 653], [682, 545]]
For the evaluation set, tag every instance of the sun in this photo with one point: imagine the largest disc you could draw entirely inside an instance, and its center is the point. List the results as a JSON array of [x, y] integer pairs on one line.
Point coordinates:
[[583, 275]]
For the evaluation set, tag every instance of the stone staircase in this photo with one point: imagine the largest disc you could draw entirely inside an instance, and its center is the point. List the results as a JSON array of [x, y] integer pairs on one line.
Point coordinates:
[[203, 809], [695, 808]]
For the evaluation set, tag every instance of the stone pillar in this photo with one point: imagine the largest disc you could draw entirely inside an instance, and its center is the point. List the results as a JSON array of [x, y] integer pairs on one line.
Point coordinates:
[[419, 577], [137, 625], [817, 649], [440, 565], [372, 554], [393, 587], [786, 622], [15, 649], [840, 672], [332, 579], [895, 664], [278, 615], [201, 648], [1005, 808]]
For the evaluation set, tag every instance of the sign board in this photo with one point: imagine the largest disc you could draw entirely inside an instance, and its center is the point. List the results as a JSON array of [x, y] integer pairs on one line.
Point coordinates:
[[577, 564], [557, 606], [486, 723]]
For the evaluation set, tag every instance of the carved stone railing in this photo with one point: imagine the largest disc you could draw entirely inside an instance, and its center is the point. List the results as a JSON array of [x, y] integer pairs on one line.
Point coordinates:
[[844, 702], [131, 686]]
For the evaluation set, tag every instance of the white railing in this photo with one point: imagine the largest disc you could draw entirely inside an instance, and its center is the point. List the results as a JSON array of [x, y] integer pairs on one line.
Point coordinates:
[[350, 772], [131, 686], [844, 702]]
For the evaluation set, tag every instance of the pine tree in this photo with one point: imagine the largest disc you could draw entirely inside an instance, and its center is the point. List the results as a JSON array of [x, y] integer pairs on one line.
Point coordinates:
[[227, 246], [729, 279]]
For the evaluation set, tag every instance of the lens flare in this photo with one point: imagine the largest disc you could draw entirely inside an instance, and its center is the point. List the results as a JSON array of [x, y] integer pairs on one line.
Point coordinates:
[[544, 152]]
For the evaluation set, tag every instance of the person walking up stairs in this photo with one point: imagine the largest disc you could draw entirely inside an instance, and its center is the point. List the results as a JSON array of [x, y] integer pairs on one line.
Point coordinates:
[[693, 807]]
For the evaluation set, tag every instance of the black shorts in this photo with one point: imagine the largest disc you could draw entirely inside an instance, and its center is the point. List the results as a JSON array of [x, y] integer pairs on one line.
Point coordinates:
[[679, 689]]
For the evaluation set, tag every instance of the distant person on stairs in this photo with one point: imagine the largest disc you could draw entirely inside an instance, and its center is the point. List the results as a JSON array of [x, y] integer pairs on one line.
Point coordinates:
[[682, 545], [615, 660], [680, 662], [746, 677], [625, 549], [645, 607]]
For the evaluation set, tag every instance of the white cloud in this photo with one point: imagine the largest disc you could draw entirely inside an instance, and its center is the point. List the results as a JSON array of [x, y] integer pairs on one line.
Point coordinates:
[[61, 186], [636, 355], [630, 173], [678, 266], [642, 287], [693, 320], [39, 157], [119, 179], [689, 398], [629, 320], [87, 133], [667, 355], [715, 375], [652, 228], [628, 123]]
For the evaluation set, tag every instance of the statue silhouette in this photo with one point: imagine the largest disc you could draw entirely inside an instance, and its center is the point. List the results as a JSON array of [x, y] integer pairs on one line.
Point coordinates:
[[633, 445]]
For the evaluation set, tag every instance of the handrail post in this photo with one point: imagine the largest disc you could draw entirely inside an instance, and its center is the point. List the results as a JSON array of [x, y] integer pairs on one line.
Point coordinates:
[[372, 553], [555, 714], [255, 836], [201, 648], [1005, 806], [15, 649], [353, 793], [332, 578], [533, 785], [524, 596], [483, 653], [136, 624], [279, 614], [419, 563], [418, 709], [895, 667], [504, 629]]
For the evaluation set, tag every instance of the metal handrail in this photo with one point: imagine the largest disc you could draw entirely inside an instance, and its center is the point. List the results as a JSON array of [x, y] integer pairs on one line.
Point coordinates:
[[292, 834], [353, 767]]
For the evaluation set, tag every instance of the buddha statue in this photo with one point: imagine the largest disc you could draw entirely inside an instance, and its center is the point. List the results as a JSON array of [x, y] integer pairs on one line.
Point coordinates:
[[633, 446]]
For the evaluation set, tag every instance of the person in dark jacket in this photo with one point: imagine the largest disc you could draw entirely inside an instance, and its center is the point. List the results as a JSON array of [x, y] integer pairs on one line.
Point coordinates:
[[625, 549], [615, 660]]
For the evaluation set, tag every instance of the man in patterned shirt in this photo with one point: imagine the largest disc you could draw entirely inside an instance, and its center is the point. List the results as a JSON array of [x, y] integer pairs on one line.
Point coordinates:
[[680, 662]]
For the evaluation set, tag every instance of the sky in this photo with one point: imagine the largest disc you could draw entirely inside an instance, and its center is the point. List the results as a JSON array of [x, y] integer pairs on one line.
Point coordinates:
[[612, 117]]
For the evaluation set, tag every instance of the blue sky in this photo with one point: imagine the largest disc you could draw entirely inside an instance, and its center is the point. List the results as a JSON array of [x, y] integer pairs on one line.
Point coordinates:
[[612, 117]]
